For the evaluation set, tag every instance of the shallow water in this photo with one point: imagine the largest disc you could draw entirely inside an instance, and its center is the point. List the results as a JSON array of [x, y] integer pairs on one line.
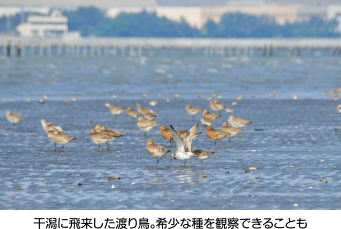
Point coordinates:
[[129, 76], [298, 144]]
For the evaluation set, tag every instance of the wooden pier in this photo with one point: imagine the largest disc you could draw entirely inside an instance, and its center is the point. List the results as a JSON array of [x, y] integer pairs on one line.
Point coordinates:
[[18, 46]]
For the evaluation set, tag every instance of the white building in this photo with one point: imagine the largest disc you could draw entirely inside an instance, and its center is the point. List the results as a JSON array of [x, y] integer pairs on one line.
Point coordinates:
[[53, 25]]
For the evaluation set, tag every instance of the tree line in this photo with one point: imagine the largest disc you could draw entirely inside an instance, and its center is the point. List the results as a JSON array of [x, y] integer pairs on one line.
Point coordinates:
[[91, 21]]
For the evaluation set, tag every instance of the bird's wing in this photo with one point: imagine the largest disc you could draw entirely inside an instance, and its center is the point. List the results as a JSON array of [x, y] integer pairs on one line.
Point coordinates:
[[192, 132], [177, 139]]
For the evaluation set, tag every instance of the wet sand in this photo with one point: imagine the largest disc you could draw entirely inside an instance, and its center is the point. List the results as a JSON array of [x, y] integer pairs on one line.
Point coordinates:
[[294, 145]]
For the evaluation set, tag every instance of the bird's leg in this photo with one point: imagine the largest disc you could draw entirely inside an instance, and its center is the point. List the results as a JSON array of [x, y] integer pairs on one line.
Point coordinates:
[[115, 117], [13, 124], [62, 146], [185, 162], [229, 140], [215, 143], [108, 145], [193, 117], [55, 147], [201, 162], [145, 134], [99, 147], [157, 163]]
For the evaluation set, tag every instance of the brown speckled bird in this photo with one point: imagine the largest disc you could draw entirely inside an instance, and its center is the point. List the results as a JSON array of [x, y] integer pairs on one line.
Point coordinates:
[[237, 122], [230, 130], [156, 150], [13, 118], [209, 116]]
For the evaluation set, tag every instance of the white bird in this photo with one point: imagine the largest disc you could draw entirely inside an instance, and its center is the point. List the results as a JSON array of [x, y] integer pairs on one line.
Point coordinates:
[[183, 147]]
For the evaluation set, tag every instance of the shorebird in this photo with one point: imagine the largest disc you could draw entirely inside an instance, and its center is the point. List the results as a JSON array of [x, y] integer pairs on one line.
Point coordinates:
[[338, 91], [219, 96], [28, 100], [295, 97], [153, 102], [98, 128], [149, 116], [132, 113], [192, 110], [199, 95], [145, 125], [183, 146], [50, 136], [237, 122], [142, 109], [156, 150], [10, 100], [114, 134], [215, 134], [216, 105], [50, 126], [335, 95], [184, 134], [46, 97], [145, 95], [213, 94], [74, 99], [99, 137], [228, 110], [209, 116], [326, 92], [62, 139], [114, 96], [168, 100], [339, 109], [201, 154], [66, 101], [273, 93], [205, 122], [115, 110], [239, 97], [212, 106], [167, 134], [254, 95], [230, 130], [209, 98], [234, 103], [176, 95], [13, 118]]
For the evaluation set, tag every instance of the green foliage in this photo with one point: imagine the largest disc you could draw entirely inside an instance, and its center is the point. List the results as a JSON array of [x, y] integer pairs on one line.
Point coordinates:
[[242, 25], [87, 20], [146, 25], [14, 20], [315, 27]]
